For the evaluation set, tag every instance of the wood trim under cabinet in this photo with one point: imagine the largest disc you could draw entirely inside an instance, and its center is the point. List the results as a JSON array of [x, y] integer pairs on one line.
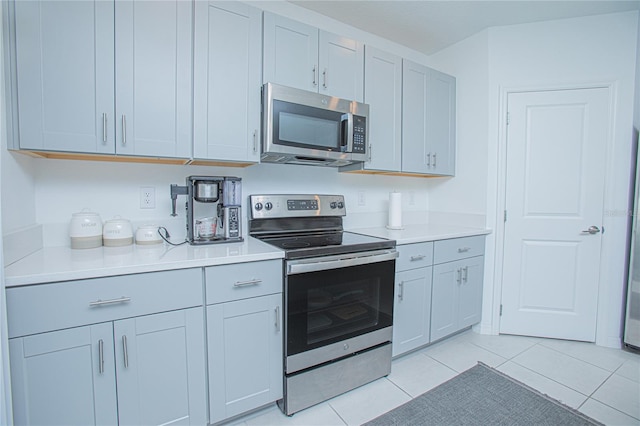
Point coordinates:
[[128, 159]]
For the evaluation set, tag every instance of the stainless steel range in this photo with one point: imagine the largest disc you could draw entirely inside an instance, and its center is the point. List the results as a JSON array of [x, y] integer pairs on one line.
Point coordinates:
[[338, 296]]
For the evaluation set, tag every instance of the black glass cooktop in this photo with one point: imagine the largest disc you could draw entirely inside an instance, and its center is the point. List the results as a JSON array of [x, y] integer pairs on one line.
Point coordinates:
[[326, 243]]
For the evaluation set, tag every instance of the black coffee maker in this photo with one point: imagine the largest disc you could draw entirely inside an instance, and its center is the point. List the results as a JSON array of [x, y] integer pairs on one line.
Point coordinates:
[[213, 208]]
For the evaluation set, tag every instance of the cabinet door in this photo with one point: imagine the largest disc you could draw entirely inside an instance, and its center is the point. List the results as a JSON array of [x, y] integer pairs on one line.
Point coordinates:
[[153, 78], [416, 154], [444, 300], [383, 93], [341, 67], [227, 81], [160, 364], [470, 299], [290, 53], [412, 310], [245, 355], [64, 377], [64, 73], [441, 122]]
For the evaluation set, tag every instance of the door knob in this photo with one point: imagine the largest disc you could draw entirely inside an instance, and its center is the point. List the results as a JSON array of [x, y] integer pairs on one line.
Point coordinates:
[[592, 230]]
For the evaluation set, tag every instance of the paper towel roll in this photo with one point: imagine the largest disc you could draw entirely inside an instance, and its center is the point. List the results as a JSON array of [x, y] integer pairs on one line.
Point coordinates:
[[395, 210]]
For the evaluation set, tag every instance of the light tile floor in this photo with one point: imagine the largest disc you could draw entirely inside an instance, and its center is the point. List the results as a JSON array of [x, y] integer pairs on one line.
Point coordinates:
[[601, 382]]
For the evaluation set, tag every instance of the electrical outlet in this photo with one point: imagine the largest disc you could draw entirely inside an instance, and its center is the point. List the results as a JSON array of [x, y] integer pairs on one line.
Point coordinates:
[[147, 197], [362, 199]]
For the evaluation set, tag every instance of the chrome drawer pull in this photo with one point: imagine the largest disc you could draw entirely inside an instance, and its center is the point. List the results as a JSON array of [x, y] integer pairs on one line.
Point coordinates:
[[104, 127], [464, 249], [99, 302], [245, 283], [277, 324], [459, 277], [125, 351], [418, 257], [401, 292], [100, 356], [466, 274]]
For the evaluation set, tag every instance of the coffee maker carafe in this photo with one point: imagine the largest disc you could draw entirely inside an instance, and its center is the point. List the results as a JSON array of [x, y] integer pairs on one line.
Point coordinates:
[[213, 208]]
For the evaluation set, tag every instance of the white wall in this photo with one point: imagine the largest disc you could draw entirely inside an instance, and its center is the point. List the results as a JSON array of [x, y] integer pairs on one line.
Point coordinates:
[[563, 53], [66, 186]]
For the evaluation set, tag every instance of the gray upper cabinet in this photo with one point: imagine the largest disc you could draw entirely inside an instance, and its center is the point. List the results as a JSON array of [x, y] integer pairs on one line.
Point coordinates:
[[383, 93], [71, 58], [301, 56], [428, 120], [227, 81], [64, 72], [153, 78]]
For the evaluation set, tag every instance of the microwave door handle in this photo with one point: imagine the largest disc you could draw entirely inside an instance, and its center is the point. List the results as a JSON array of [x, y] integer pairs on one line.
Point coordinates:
[[346, 142]]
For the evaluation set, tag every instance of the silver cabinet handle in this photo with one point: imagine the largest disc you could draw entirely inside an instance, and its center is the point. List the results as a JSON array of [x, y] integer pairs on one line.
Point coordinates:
[[463, 249], [245, 283], [370, 151], [592, 230], [429, 159], [466, 273], [100, 356], [124, 130], [417, 257], [324, 78], [459, 277], [125, 352], [277, 324], [104, 127], [401, 292], [314, 76], [255, 141], [434, 158], [99, 302]]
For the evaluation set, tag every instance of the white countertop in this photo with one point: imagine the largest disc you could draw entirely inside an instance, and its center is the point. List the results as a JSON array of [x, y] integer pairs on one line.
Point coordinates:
[[421, 233], [52, 264]]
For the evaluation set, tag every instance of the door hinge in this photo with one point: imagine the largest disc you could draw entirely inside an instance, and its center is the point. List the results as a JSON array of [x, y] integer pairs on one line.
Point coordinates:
[[505, 215], [508, 118], [500, 309]]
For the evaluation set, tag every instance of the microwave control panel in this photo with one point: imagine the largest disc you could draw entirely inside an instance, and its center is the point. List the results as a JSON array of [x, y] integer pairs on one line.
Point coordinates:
[[359, 134]]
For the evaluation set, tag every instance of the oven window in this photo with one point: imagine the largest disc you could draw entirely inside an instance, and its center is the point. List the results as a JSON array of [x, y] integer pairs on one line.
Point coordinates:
[[329, 306], [306, 127]]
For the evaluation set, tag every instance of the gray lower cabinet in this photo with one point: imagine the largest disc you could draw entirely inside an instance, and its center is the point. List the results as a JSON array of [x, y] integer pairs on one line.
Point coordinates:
[[125, 350], [457, 285], [412, 304], [60, 377], [244, 334]]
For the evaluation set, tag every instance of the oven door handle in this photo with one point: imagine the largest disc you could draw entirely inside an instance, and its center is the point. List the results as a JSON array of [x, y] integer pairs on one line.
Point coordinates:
[[339, 261]]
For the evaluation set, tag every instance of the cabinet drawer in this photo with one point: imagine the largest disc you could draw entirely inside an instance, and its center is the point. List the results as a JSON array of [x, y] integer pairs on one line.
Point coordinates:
[[413, 256], [242, 280], [457, 248], [47, 307]]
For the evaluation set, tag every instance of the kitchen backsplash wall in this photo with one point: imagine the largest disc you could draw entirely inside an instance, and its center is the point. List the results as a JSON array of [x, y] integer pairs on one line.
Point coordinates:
[[64, 187]]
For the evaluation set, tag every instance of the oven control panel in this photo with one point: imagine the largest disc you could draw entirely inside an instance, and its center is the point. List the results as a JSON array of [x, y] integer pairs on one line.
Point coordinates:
[[296, 205]]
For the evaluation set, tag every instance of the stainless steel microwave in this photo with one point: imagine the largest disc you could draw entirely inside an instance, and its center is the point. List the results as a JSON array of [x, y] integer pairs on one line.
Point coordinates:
[[301, 127]]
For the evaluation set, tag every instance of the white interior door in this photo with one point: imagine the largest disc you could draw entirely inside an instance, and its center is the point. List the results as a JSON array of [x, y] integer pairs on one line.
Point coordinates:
[[556, 156]]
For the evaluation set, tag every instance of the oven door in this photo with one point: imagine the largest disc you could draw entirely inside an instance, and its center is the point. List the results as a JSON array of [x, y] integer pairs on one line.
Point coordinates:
[[337, 305]]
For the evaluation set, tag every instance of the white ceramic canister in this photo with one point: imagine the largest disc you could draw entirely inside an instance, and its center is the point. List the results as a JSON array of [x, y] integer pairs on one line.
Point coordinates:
[[85, 230], [117, 232], [148, 235]]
